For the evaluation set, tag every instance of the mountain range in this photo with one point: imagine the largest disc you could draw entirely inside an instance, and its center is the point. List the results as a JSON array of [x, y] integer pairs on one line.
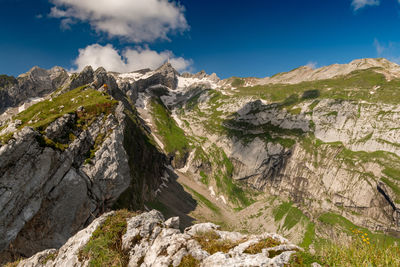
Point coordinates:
[[309, 154]]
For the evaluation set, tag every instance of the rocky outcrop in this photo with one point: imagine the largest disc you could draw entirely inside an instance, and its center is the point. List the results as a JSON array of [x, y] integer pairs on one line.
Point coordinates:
[[48, 193], [359, 126], [326, 171], [201, 75], [35, 83], [151, 241], [323, 153]]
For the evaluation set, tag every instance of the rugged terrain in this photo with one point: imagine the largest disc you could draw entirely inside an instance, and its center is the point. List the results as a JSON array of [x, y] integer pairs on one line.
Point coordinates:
[[310, 154], [150, 241]]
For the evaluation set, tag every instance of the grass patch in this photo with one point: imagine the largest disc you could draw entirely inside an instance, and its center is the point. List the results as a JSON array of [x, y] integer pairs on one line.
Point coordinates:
[[13, 264], [336, 219], [105, 246], [295, 111], [265, 243], [349, 228], [44, 141], [237, 82], [392, 173], [292, 215], [394, 187], [211, 242], [50, 257], [5, 138], [353, 86], [361, 251], [332, 113], [96, 146], [309, 236], [189, 261], [365, 138], [224, 180], [313, 104], [203, 199], [174, 137], [303, 258], [41, 114], [204, 178]]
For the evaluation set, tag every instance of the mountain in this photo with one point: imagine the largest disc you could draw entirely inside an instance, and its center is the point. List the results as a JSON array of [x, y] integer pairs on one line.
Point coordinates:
[[309, 154]]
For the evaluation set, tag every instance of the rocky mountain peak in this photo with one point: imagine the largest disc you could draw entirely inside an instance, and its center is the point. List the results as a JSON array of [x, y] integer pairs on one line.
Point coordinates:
[[35, 71], [167, 69], [389, 69]]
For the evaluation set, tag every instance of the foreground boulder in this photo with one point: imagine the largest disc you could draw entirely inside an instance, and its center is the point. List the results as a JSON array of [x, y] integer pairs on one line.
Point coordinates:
[[148, 240]]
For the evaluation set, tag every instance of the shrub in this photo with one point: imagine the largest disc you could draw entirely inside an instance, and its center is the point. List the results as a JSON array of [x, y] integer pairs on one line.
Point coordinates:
[[189, 261], [105, 246], [265, 243], [211, 242]]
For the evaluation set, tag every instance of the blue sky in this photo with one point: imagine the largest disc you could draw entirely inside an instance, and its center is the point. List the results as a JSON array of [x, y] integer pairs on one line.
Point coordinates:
[[231, 38]]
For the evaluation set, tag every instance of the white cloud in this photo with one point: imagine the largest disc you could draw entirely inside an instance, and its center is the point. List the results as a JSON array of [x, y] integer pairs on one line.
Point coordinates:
[[379, 48], [312, 64], [133, 20], [358, 4], [388, 50], [128, 60]]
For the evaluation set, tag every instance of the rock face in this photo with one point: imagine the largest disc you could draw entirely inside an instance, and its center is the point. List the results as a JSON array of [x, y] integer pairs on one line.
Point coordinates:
[[151, 241], [328, 149], [35, 83], [48, 193]]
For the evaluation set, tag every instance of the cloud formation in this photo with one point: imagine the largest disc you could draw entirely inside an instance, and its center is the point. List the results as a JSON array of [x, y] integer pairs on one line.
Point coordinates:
[[128, 60], [132, 20], [389, 50], [358, 4], [312, 64], [379, 48]]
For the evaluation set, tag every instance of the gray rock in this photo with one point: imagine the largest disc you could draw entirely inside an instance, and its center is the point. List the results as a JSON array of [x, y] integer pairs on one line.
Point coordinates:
[[47, 195], [172, 222], [149, 241], [58, 130], [37, 82]]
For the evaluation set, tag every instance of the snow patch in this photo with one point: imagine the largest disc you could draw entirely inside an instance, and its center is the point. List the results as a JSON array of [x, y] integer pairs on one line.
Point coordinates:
[[222, 198], [135, 76], [177, 120], [189, 160], [29, 103], [187, 82], [159, 143], [212, 192]]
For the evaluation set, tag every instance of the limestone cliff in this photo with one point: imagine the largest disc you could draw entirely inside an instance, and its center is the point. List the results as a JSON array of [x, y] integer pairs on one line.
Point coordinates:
[[328, 142], [321, 142], [69, 158]]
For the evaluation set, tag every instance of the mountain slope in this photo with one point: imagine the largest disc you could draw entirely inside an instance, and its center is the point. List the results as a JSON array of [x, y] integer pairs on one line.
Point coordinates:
[[69, 158], [310, 154], [327, 145]]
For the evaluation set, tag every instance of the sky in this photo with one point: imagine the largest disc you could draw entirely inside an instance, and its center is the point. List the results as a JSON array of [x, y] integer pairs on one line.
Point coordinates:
[[231, 38]]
